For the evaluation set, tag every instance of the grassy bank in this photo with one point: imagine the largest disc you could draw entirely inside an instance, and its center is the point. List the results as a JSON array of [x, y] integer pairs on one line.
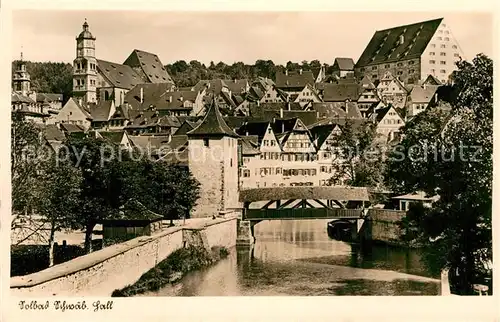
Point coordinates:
[[173, 268]]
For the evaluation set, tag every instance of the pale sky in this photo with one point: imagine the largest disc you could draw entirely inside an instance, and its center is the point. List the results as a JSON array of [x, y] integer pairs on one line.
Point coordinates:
[[228, 36]]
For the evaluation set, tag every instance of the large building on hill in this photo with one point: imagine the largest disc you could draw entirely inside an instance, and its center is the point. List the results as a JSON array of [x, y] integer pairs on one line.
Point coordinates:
[[411, 53], [95, 79]]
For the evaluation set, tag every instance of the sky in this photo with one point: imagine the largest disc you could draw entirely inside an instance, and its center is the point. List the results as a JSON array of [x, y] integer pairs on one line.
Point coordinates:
[[229, 37]]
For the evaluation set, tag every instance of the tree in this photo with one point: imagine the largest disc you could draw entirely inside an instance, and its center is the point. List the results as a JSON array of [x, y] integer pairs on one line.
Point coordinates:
[[26, 153], [458, 169], [95, 159], [358, 157], [57, 199]]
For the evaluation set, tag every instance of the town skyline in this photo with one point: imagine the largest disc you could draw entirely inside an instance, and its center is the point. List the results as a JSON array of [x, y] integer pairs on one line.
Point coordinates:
[[119, 32]]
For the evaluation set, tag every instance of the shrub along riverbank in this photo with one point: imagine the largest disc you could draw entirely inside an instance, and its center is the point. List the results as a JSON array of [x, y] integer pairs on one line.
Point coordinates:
[[173, 268]]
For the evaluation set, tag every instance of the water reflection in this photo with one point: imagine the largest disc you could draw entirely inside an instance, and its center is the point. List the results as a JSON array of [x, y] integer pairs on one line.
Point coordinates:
[[298, 258]]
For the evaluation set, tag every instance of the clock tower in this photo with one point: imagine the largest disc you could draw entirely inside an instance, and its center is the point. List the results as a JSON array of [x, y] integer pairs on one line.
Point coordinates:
[[85, 67]]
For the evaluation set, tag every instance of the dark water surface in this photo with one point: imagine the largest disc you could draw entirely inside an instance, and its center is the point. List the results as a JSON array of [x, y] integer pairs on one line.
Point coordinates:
[[298, 258]]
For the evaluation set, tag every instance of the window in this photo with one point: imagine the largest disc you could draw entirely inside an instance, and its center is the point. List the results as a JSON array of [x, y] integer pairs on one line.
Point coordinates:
[[456, 55], [388, 66], [374, 76], [440, 31], [399, 64], [447, 32], [454, 47], [443, 71], [442, 54], [440, 38], [442, 62], [362, 69], [447, 39], [433, 45], [374, 67], [432, 53], [432, 61], [399, 73], [433, 71], [412, 71], [268, 95], [206, 143], [443, 46], [411, 62]]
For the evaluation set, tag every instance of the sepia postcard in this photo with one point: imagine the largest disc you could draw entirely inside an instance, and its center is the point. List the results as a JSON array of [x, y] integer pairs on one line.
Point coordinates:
[[209, 162]]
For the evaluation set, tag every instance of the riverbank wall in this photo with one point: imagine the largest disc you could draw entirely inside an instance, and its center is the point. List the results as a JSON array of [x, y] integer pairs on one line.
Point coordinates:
[[382, 225], [114, 267]]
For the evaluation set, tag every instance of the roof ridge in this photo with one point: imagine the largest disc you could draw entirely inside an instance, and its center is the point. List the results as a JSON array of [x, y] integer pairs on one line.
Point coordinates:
[[411, 24]]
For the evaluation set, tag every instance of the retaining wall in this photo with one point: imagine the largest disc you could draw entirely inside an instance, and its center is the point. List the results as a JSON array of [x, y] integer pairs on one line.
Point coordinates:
[[114, 267], [384, 225]]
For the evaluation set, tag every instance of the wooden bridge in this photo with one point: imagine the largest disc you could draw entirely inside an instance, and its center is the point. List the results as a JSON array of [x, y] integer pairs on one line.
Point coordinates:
[[304, 203]]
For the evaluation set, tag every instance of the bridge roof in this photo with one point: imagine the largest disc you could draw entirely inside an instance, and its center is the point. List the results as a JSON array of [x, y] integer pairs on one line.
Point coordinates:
[[321, 193]]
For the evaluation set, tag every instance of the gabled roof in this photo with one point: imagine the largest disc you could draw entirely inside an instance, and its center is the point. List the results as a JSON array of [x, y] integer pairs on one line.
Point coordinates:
[[329, 110], [113, 136], [249, 146], [18, 98], [367, 83], [49, 97], [121, 76], [52, 133], [102, 112], [294, 79], [175, 100], [151, 93], [415, 39], [254, 128], [212, 125], [431, 80], [322, 132], [150, 65], [72, 128], [214, 85], [423, 94], [237, 86], [382, 112], [185, 127], [80, 107], [307, 117], [341, 92], [344, 63], [352, 110]]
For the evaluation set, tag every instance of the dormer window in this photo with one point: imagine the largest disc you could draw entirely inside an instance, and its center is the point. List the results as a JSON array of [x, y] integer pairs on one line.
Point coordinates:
[[401, 39]]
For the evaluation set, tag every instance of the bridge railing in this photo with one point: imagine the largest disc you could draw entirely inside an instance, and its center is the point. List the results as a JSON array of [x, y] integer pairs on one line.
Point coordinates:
[[301, 213]]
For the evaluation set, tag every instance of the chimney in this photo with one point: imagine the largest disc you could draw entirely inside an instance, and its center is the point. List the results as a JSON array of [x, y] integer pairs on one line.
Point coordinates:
[[425, 86], [281, 112], [300, 71], [401, 39], [142, 95]]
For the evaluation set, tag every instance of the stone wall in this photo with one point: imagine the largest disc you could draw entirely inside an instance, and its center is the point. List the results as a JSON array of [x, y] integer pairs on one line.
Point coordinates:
[[383, 225], [114, 267]]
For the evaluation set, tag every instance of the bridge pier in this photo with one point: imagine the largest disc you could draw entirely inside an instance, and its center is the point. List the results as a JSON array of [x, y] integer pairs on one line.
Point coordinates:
[[245, 233]]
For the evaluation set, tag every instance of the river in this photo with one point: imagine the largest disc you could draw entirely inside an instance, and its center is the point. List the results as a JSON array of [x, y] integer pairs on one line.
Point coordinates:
[[298, 258]]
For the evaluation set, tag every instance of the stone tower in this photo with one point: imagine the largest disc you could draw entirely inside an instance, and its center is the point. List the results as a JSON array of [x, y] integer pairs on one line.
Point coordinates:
[[21, 81], [213, 161], [85, 67]]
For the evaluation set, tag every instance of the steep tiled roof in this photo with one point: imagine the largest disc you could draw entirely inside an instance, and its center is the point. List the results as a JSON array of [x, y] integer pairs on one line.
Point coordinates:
[[281, 105], [151, 94], [112, 136], [121, 76], [175, 100], [415, 39], [254, 128], [101, 112], [294, 80], [71, 128], [249, 146], [423, 94], [307, 117], [52, 133], [382, 112], [329, 110], [367, 83], [185, 127], [214, 85], [18, 98], [150, 65], [236, 86], [212, 125], [431, 80], [283, 125], [345, 63], [49, 97], [341, 92], [321, 133]]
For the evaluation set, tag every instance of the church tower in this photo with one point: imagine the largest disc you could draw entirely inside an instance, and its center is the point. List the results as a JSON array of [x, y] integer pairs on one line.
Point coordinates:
[[213, 161], [85, 67], [21, 82]]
